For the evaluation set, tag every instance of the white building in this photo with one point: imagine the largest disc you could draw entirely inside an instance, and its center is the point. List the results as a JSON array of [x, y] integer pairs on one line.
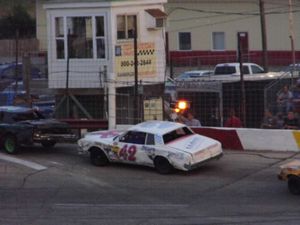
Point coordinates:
[[207, 30], [101, 34], [83, 37]]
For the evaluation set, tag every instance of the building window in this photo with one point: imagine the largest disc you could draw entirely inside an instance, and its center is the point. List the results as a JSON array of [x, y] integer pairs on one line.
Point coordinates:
[[100, 39], [80, 37], [218, 39], [125, 26], [185, 41], [60, 38]]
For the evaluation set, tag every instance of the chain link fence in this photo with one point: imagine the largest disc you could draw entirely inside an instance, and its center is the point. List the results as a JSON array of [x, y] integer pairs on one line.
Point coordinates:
[[211, 101], [213, 98]]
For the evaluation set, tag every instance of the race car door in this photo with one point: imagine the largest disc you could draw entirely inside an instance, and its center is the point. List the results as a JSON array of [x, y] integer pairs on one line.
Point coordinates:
[[133, 148]]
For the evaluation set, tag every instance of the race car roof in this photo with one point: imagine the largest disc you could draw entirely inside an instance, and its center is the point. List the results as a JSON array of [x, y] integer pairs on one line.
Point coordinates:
[[157, 127]]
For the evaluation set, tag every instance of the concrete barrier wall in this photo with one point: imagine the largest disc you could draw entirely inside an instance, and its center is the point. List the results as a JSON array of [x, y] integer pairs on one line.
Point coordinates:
[[244, 139], [254, 139]]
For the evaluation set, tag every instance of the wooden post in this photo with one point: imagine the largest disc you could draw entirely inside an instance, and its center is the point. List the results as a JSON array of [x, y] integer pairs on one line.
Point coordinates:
[[17, 60], [27, 78], [136, 72], [243, 91], [263, 35]]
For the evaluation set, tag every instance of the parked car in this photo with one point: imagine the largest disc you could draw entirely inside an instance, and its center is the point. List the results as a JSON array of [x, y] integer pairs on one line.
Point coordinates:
[[293, 68], [290, 172], [161, 144], [10, 92], [46, 132], [8, 71], [194, 74]]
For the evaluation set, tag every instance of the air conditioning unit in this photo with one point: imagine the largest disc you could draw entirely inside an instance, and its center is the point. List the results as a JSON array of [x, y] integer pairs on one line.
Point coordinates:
[[155, 19], [159, 22]]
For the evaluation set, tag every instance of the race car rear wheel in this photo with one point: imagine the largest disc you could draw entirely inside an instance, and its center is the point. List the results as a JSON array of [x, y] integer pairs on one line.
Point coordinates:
[[98, 157], [162, 165], [294, 185], [10, 144]]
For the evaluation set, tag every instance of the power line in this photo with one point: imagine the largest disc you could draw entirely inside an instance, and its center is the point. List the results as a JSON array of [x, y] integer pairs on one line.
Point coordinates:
[[231, 13], [208, 16], [211, 24]]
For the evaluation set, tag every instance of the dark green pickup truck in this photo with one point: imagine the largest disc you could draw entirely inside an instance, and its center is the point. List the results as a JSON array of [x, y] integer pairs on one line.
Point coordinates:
[[25, 126]]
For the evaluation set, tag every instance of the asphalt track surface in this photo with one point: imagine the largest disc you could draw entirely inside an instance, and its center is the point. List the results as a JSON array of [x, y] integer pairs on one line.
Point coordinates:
[[60, 187]]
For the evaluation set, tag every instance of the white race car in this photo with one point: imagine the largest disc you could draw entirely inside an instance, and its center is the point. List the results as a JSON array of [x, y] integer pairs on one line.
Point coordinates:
[[160, 144]]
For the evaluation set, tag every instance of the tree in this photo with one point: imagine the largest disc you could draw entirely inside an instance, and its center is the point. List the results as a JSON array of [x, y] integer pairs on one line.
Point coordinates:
[[17, 20]]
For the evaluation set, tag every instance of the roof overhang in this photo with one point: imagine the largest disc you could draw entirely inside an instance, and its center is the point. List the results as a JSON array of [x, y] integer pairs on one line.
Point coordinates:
[[156, 13], [111, 4]]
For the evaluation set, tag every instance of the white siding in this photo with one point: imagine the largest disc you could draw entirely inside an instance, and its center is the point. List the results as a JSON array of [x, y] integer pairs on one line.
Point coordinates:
[[84, 73], [203, 22]]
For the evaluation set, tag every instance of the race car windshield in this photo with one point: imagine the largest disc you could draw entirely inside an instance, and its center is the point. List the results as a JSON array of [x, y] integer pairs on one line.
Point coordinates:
[[175, 134]]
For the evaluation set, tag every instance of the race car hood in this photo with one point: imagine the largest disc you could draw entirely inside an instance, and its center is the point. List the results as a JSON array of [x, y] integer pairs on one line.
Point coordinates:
[[46, 123], [293, 165], [192, 143]]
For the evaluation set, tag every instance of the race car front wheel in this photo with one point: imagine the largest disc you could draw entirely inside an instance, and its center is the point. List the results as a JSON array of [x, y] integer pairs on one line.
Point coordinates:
[[294, 185], [162, 165], [98, 157], [10, 144]]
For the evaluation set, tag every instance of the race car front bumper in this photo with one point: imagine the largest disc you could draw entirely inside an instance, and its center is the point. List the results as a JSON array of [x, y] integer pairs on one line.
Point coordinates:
[[37, 137]]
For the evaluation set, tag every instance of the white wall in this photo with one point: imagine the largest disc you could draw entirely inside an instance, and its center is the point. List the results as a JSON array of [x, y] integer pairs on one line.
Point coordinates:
[[86, 73]]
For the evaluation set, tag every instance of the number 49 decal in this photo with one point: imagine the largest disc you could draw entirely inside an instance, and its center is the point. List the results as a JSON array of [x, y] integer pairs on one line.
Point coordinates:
[[128, 153]]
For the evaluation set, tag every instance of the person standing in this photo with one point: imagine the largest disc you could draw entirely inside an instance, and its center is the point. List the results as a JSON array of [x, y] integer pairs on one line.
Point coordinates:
[[190, 121], [233, 120], [296, 97], [291, 122], [269, 121], [284, 100]]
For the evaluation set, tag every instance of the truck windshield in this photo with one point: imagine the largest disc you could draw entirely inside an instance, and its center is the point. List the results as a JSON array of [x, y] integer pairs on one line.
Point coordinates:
[[175, 134], [223, 70]]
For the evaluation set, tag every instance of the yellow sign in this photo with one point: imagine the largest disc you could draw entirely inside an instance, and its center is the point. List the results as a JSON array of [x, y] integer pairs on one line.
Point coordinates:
[[153, 109], [146, 60]]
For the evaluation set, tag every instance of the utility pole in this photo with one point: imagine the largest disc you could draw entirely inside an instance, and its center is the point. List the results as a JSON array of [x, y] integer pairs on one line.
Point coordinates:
[[68, 74], [263, 35], [292, 37], [27, 77], [136, 72], [243, 91], [105, 88], [17, 60]]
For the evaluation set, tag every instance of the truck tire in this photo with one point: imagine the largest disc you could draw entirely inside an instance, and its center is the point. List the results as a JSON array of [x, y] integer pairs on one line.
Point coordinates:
[[48, 144], [294, 185], [162, 165], [98, 157], [10, 144]]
